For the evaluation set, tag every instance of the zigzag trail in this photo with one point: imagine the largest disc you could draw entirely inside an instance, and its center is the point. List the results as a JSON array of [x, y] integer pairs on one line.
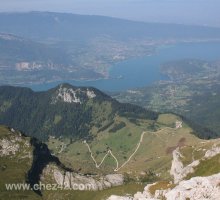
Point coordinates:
[[116, 160]]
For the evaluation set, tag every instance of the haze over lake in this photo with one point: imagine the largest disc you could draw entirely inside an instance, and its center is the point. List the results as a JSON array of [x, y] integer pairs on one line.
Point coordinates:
[[140, 72]]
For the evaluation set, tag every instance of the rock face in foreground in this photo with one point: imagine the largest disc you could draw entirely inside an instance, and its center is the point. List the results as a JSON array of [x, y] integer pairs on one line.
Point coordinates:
[[178, 171], [91, 183], [197, 188], [194, 189], [13, 144], [70, 179]]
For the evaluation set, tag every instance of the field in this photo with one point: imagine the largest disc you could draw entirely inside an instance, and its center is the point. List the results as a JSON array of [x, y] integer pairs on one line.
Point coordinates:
[[152, 158], [152, 142]]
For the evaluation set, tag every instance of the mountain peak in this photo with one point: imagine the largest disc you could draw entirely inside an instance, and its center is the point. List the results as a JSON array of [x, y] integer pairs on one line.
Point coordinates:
[[70, 94], [52, 112]]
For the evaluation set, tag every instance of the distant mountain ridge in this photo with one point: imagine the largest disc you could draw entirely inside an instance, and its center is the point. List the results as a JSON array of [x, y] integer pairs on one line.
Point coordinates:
[[54, 47], [25, 60], [63, 26], [15, 50]]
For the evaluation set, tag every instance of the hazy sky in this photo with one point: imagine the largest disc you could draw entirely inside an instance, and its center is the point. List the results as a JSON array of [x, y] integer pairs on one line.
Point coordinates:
[[206, 12]]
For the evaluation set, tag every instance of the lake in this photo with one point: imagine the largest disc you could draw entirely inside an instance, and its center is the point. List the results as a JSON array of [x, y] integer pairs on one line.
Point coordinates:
[[140, 72]]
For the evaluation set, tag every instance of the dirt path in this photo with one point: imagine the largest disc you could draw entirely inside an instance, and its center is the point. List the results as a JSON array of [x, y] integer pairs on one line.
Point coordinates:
[[116, 160]]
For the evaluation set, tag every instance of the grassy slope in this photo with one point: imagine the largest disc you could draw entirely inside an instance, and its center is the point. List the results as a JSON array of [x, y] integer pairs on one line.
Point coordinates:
[[207, 167], [13, 169], [154, 154]]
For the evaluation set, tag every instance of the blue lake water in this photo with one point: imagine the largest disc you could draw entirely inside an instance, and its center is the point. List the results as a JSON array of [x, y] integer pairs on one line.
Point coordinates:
[[145, 71]]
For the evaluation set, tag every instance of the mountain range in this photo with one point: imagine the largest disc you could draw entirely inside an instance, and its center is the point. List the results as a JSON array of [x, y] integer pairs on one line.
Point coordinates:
[[65, 26], [86, 137], [72, 136], [63, 111], [42, 47]]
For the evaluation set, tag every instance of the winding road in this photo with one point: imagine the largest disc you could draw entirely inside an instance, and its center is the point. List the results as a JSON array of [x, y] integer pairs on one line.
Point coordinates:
[[116, 160]]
